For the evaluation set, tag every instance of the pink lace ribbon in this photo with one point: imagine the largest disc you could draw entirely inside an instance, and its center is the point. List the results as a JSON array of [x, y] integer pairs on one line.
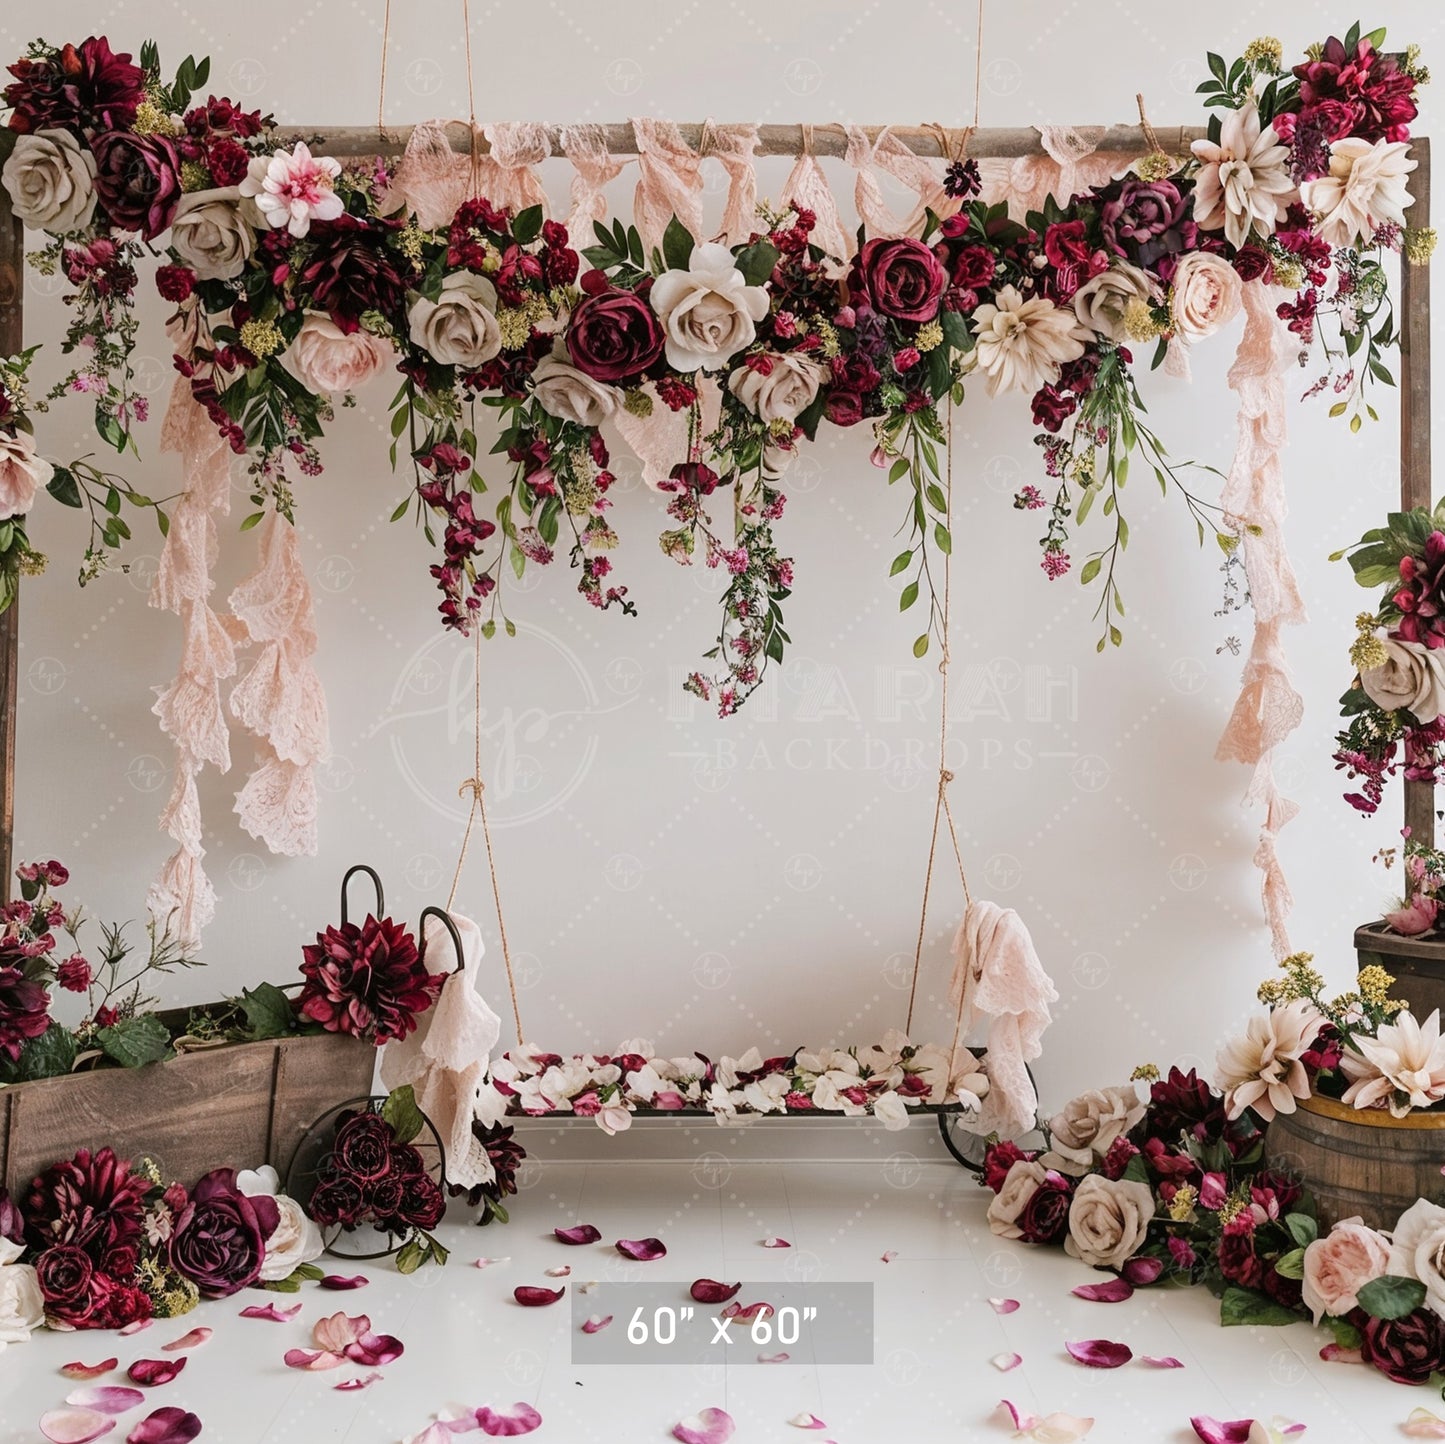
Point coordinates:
[[917, 174], [593, 166], [659, 440], [669, 181], [807, 188], [1268, 708], [432, 180], [1068, 163]]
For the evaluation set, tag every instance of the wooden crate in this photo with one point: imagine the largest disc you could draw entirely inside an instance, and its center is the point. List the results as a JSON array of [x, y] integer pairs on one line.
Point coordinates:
[[1418, 965], [237, 1106]]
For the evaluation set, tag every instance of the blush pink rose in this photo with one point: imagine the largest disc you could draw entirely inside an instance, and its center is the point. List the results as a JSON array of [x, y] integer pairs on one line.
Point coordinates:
[[1339, 1265], [1207, 294], [22, 473], [329, 361]]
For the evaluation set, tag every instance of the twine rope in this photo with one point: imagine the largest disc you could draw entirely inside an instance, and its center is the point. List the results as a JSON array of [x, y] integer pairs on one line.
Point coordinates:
[[381, 91], [977, 66], [478, 811]]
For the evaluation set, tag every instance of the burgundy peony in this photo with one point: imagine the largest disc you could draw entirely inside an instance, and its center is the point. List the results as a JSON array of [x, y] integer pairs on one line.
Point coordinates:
[[1421, 596], [1045, 1217], [1253, 264], [998, 1158], [337, 1201], [1366, 82], [368, 981], [138, 181], [614, 337], [363, 1147], [24, 1010], [422, 1201], [1145, 220], [349, 273], [219, 1240], [1406, 1350], [901, 278], [92, 1201], [81, 89]]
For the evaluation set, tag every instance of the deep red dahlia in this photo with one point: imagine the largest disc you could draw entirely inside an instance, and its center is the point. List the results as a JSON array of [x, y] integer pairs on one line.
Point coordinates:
[[24, 1011], [83, 90], [1366, 80], [1421, 597], [349, 273], [92, 1201], [1183, 1103], [368, 981]]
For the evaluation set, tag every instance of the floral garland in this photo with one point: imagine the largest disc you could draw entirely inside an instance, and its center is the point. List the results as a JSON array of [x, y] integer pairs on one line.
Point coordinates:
[[297, 279]]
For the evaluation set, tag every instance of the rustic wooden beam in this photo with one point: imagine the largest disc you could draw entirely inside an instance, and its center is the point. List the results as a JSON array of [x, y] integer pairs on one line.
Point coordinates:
[[12, 326], [1415, 482], [789, 140]]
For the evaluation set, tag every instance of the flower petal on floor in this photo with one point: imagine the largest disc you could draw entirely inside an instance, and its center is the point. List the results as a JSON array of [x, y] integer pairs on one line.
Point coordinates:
[[707, 1426], [783, 1243], [151, 1372], [534, 1298], [644, 1250], [341, 1281], [192, 1340], [807, 1421], [507, 1423], [165, 1426], [338, 1331], [105, 1398], [578, 1233], [711, 1291], [313, 1359], [1113, 1291], [1003, 1306], [373, 1349], [560, 1272], [75, 1426], [595, 1323], [1160, 1361], [274, 1312], [78, 1370], [1004, 1362], [365, 1381], [1100, 1353], [1422, 1424]]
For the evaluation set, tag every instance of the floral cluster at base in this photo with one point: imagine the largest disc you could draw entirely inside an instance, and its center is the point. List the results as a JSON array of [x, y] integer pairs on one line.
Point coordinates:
[[297, 278], [101, 1243], [886, 1081]]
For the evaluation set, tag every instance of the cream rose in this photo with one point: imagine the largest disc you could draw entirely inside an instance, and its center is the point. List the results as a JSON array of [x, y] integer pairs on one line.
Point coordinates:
[[213, 234], [1206, 294], [1108, 1220], [22, 473], [1089, 1124], [1418, 1250], [1019, 1186], [1413, 677], [22, 1309], [1339, 1265], [708, 312], [329, 361], [460, 327], [1100, 303], [782, 392], [51, 181], [564, 391], [295, 1239]]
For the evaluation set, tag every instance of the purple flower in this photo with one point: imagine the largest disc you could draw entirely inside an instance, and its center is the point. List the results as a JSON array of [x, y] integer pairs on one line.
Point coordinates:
[[138, 180], [219, 1240], [1146, 220]]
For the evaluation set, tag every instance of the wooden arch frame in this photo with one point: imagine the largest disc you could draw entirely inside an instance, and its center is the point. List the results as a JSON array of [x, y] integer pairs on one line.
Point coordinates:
[[789, 140]]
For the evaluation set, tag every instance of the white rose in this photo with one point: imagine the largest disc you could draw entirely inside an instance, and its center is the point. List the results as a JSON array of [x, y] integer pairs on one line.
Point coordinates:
[[1019, 1186], [1413, 678], [296, 1241], [1108, 1220], [328, 360], [1418, 1249], [22, 1308], [460, 327], [51, 181], [780, 393], [1089, 1124], [572, 395], [1206, 294], [22, 473], [212, 234], [708, 312], [1100, 303]]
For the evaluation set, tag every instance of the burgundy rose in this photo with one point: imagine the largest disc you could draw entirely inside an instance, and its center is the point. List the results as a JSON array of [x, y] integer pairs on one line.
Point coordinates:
[[998, 1158], [1238, 1261], [336, 1201], [1045, 1217], [422, 1203], [855, 372], [1052, 407], [901, 277], [614, 337], [1253, 263], [349, 273], [70, 1285], [219, 1240], [406, 1161], [384, 1200], [844, 408], [24, 1011], [138, 181], [81, 90], [92, 1201], [368, 981], [1066, 243], [973, 267], [1286, 1291], [1406, 1350], [363, 1147]]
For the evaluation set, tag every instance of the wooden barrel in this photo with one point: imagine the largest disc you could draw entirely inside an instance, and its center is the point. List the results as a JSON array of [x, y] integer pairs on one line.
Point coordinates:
[[1362, 1163]]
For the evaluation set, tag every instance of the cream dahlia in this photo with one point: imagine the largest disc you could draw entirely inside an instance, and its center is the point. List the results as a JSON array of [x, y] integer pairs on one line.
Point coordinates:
[[1262, 1070], [1402, 1066], [1243, 182], [1363, 189], [1022, 344]]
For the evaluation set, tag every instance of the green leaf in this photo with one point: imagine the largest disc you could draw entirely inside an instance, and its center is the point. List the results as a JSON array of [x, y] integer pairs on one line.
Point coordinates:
[[51, 1055], [401, 1112], [134, 1042], [1245, 1306], [1347, 1336], [908, 596], [1091, 570], [254, 519], [677, 245], [1291, 1265], [1391, 1296], [756, 262], [896, 472], [920, 647], [410, 1257], [108, 428], [268, 1011], [64, 487], [942, 538], [1136, 1170], [403, 506], [900, 563], [528, 225], [1302, 1228]]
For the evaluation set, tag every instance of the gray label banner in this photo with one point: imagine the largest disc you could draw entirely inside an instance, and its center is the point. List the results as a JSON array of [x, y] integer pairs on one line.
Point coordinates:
[[770, 1323]]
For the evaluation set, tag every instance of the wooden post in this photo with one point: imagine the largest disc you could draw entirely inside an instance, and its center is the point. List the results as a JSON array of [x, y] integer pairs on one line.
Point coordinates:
[[12, 326], [1415, 487]]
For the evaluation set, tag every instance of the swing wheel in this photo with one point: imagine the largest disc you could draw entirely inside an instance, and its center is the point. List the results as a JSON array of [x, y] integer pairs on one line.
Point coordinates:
[[966, 1146]]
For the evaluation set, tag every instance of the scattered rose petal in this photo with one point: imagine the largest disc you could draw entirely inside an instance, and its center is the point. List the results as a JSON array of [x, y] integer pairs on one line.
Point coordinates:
[[135, 1328], [506, 1423], [708, 1426], [595, 1323], [1143, 1271], [1004, 1306], [1422, 1424], [485, 1263], [536, 1298], [890, 1255], [807, 1421], [644, 1250], [151, 1372], [747, 1312], [560, 1272], [338, 1331], [710, 1291], [1339, 1354], [78, 1370], [105, 1398], [274, 1312], [1114, 1291], [1004, 1362], [783, 1243], [313, 1359], [75, 1426], [192, 1340], [340, 1281], [1100, 1353], [347, 1386], [578, 1233], [773, 1358], [1220, 1431], [373, 1349], [1052, 1429], [165, 1426], [1160, 1361]]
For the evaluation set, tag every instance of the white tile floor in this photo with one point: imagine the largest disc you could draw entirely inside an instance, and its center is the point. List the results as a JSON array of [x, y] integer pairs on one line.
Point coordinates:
[[931, 1382]]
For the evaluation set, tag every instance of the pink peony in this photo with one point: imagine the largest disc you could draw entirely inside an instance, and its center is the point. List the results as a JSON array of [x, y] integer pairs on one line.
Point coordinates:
[[330, 361], [1340, 1264], [22, 473]]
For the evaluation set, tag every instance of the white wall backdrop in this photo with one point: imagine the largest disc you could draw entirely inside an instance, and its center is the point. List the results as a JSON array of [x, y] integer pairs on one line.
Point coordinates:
[[717, 884]]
